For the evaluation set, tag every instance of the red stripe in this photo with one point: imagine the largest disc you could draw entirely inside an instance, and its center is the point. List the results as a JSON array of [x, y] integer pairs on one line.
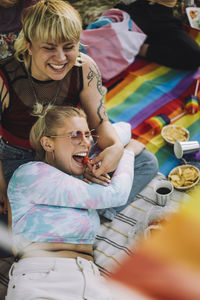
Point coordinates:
[[13, 140]]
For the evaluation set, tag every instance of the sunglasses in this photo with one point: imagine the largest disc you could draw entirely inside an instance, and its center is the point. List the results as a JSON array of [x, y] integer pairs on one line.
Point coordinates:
[[77, 136]]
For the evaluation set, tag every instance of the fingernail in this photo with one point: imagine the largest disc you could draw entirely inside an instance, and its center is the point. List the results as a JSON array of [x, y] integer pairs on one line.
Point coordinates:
[[107, 176], [98, 164]]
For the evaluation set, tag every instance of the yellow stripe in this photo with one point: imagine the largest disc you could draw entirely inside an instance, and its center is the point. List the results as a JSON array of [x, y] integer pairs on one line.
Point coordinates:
[[133, 86], [111, 257], [178, 201], [115, 230], [138, 208], [198, 39]]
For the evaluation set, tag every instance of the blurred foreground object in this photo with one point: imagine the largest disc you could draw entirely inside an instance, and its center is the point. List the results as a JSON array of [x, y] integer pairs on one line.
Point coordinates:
[[167, 265], [5, 241]]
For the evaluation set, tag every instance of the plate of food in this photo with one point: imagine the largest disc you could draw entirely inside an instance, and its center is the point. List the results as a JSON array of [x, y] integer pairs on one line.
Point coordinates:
[[184, 177], [175, 133], [193, 14]]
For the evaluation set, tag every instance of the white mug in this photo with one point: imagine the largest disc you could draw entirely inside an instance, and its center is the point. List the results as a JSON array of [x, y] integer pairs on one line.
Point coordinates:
[[163, 190]]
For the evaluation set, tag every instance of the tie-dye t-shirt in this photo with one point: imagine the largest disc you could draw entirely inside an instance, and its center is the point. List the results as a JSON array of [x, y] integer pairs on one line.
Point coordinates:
[[49, 205]]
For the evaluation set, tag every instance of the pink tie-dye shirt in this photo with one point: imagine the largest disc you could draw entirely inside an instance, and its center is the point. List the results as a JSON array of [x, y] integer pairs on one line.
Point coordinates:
[[49, 205]]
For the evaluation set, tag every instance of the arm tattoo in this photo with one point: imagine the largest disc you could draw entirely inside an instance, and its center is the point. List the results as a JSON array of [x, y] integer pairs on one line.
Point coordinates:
[[101, 111], [91, 75]]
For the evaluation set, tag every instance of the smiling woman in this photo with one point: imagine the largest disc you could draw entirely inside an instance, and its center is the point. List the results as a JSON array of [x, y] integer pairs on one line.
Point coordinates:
[[48, 69], [50, 60], [54, 214], [51, 140]]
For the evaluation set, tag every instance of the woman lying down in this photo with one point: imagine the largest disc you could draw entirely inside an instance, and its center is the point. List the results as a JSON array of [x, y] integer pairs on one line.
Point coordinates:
[[54, 213]]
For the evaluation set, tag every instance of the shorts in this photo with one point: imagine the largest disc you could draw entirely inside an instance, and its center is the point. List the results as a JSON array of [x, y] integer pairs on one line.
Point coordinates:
[[55, 278]]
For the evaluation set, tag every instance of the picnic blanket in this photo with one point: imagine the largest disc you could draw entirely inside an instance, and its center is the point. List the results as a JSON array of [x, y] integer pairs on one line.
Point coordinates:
[[119, 237], [147, 89]]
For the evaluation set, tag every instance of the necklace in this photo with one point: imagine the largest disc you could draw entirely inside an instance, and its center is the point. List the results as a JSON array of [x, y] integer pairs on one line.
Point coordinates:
[[37, 102]]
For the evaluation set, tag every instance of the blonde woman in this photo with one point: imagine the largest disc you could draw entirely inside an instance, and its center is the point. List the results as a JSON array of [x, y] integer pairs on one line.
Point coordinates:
[[48, 69], [54, 217], [167, 42]]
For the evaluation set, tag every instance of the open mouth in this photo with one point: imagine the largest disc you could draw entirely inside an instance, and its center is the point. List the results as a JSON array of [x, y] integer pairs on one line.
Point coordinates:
[[80, 157], [57, 67]]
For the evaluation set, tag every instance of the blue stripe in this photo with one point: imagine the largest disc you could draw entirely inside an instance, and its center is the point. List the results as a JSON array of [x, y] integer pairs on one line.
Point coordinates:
[[169, 164], [157, 92]]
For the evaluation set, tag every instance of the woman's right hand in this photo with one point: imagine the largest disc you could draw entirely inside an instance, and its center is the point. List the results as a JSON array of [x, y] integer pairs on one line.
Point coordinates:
[[8, 3], [103, 179], [135, 147]]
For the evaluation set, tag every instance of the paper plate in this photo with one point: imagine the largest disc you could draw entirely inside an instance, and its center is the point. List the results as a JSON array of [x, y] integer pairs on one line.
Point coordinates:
[[193, 14]]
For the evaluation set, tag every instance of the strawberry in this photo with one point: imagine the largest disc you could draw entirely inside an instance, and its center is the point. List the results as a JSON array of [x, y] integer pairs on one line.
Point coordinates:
[[86, 160]]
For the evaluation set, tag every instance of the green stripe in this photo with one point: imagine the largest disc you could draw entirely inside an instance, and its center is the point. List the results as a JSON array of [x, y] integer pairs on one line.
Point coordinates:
[[194, 128], [161, 120], [164, 153], [144, 89]]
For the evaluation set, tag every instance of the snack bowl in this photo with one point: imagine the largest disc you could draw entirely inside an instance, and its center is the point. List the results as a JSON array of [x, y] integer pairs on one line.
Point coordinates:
[[184, 177], [175, 133]]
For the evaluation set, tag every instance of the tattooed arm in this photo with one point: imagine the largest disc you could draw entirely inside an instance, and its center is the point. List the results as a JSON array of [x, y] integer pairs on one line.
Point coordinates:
[[93, 103]]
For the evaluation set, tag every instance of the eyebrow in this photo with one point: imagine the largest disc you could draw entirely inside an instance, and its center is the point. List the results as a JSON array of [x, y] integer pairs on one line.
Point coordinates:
[[78, 130], [52, 44]]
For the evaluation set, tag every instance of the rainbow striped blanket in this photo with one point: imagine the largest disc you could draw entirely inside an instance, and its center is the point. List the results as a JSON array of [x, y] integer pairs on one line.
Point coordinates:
[[147, 89]]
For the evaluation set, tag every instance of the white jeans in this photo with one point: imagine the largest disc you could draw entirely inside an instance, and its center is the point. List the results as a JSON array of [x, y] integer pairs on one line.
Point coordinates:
[[55, 278]]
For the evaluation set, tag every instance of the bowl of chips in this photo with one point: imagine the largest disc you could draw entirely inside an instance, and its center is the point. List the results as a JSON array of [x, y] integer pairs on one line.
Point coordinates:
[[184, 177], [175, 133]]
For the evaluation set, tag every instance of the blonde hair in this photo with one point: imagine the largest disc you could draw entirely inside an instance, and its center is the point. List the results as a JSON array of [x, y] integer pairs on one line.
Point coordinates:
[[49, 121], [47, 20], [168, 3]]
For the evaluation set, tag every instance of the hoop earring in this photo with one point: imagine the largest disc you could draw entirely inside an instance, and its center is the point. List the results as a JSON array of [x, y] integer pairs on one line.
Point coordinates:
[[53, 155]]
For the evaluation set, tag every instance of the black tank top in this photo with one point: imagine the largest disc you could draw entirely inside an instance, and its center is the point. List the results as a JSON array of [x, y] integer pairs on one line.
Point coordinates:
[[16, 120]]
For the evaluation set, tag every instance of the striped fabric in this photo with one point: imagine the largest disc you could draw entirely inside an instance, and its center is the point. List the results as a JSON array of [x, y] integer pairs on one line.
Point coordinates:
[[146, 90], [116, 238], [143, 91], [5, 264]]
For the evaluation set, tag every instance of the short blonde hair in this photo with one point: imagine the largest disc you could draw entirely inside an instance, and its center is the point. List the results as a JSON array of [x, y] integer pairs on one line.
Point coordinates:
[[52, 118], [168, 3], [54, 20]]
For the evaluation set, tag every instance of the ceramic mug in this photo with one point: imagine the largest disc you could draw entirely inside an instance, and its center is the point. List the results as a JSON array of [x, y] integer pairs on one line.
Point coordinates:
[[163, 190]]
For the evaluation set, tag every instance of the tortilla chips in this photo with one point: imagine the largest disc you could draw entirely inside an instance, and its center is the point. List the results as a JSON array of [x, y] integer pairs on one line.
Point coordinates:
[[184, 176], [174, 133]]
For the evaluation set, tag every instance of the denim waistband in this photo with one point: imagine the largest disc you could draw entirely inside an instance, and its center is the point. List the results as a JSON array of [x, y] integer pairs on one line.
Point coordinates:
[[8, 151], [16, 147]]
